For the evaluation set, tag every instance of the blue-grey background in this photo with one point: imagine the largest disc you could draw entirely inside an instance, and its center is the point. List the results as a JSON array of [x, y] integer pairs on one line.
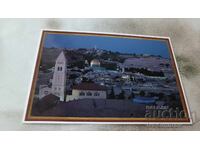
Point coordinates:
[[18, 50], [124, 45]]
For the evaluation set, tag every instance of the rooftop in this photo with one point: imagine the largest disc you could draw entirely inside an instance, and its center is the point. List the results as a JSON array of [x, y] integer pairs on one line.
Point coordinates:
[[95, 62], [50, 97], [90, 86]]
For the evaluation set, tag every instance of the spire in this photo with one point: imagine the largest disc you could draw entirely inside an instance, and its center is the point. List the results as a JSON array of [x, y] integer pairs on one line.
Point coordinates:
[[59, 77]]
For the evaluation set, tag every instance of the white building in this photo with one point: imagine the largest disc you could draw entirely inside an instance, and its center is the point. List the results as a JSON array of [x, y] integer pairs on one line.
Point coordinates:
[[87, 91], [58, 81], [59, 77], [95, 63]]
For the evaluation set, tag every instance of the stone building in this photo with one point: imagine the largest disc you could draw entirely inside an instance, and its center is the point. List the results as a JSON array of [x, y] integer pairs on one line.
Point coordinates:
[[59, 79], [87, 91]]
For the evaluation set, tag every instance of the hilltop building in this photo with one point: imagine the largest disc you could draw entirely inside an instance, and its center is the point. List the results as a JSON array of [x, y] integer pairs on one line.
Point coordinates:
[[95, 63]]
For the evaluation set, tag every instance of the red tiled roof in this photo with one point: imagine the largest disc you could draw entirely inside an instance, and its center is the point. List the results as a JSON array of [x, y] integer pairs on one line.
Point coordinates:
[[90, 86]]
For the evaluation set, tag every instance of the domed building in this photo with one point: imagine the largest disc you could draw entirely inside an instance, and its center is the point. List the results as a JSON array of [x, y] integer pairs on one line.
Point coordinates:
[[95, 63]]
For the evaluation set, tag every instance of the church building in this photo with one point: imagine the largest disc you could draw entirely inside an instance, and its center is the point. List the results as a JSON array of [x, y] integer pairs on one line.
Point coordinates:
[[80, 91], [59, 79]]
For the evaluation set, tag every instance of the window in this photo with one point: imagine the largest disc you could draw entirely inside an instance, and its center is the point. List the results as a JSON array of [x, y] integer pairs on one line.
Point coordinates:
[[59, 68], [46, 92], [96, 94], [89, 94], [81, 94]]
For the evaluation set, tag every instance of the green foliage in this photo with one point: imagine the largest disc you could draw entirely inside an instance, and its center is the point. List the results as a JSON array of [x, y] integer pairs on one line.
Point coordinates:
[[113, 56], [160, 95], [110, 66], [80, 64], [73, 76], [142, 93], [122, 95], [112, 94], [133, 95]]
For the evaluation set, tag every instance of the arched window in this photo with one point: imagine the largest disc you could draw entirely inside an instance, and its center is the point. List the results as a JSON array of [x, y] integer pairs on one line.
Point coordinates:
[[81, 94], [59, 68], [96, 94], [89, 94]]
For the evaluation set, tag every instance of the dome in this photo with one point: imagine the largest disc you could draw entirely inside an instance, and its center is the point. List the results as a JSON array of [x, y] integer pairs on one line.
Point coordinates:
[[95, 62]]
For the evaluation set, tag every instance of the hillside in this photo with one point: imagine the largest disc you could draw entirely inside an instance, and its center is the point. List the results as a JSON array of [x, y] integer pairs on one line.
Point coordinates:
[[90, 108]]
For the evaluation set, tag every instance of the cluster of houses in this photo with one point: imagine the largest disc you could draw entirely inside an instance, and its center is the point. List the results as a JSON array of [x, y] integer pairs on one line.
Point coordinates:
[[105, 81], [81, 91]]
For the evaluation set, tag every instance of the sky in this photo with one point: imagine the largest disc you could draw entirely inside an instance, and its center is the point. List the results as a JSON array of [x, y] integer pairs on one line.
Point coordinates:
[[123, 45]]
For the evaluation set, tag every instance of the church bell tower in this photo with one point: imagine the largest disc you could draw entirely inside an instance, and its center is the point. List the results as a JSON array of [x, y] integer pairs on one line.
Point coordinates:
[[59, 77]]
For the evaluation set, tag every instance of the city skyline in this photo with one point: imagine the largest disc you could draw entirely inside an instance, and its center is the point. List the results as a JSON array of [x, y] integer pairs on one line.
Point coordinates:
[[125, 45]]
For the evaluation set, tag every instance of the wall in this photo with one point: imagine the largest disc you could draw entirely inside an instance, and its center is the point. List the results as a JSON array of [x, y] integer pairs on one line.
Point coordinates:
[[75, 95]]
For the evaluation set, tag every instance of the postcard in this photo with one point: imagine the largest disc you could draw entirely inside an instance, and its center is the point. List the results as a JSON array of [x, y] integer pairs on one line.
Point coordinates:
[[87, 77]]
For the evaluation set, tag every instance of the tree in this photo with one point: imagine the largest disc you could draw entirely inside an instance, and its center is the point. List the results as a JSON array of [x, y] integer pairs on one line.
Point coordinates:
[[142, 93], [133, 95], [152, 94], [94, 103], [112, 94], [86, 80], [121, 95], [160, 95], [73, 76]]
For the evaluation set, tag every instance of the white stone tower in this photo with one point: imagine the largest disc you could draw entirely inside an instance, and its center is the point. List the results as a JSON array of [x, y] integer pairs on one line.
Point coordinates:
[[59, 77]]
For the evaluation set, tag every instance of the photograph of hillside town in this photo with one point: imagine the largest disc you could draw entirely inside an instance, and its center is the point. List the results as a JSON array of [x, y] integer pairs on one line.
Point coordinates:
[[99, 76]]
